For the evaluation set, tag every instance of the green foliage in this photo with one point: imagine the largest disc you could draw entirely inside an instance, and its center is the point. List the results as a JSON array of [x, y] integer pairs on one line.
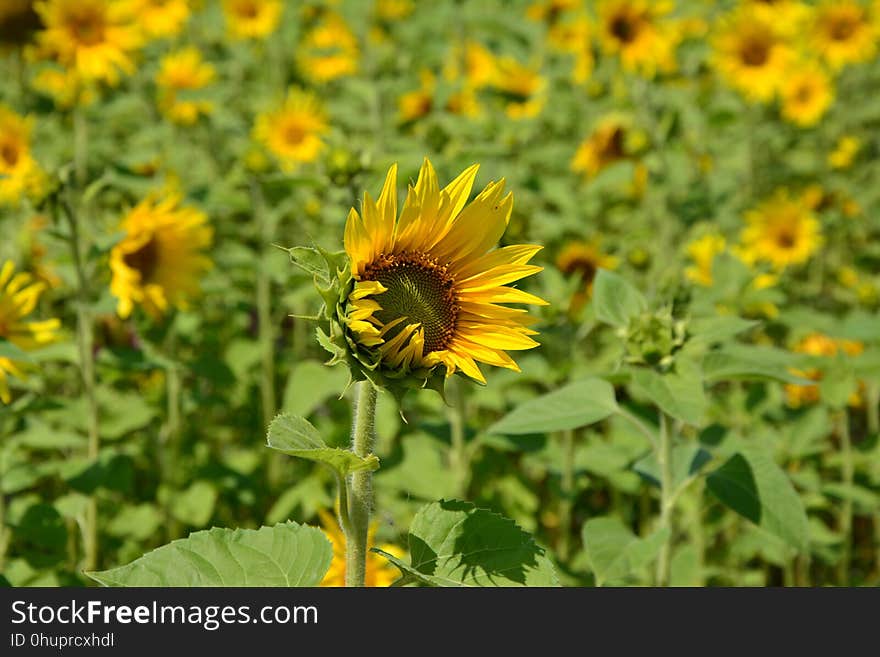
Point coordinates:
[[294, 435]]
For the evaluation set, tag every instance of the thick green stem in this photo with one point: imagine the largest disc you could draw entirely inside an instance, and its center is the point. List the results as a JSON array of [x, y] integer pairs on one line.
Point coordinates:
[[459, 459], [360, 485], [566, 501], [847, 473], [172, 447], [80, 148], [664, 459]]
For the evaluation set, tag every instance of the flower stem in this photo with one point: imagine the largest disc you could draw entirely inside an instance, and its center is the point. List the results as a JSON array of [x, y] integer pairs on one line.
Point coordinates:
[[846, 510], [458, 456], [567, 498], [667, 499], [80, 147], [360, 485]]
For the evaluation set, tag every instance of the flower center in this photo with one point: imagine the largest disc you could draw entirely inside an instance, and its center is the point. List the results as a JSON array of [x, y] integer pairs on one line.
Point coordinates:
[[419, 290], [145, 260], [785, 239], [624, 28], [248, 10], [755, 52], [294, 134], [842, 28], [87, 27], [9, 154]]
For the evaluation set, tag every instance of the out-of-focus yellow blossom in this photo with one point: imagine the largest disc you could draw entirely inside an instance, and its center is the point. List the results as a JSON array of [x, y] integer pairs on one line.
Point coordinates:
[[789, 16], [329, 50], [184, 70], [419, 102], [819, 345], [158, 19], [640, 33], [844, 152], [18, 22], [393, 10], [572, 35], [703, 251], [848, 277], [252, 19], [20, 175], [584, 259], [64, 87], [751, 53], [551, 11], [464, 103], [18, 298], [94, 38], [606, 145], [807, 93], [522, 88], [379, 571], [293, 132], [473, 62], [781, 231], [842, 33]]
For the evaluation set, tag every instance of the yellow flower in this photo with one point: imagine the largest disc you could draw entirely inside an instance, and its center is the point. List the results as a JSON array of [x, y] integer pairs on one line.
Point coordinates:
[[393, 10], [18, 298], [20, 175], [781, 231], [95, 38], [605, 146], [18, 21], [160, 261], [474, 62], [183, 70], [821, 346], [379, 571], [843, 33], [160, 18], [573, 36], [807, 93], [464, 103], [64, 87], [418, 103], [788, 15], [751, 53], [521, 87], [550, 11], [292, 133], [638, 32], [252, 19], [427, 285], [329, 50], [703, 251], [844, 152], [584, 259]]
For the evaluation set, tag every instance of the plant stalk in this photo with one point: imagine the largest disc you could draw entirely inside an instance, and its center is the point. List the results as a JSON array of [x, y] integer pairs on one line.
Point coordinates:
[[667, 500], [360, 485], [847, 472], [567, 490], [458, 457]]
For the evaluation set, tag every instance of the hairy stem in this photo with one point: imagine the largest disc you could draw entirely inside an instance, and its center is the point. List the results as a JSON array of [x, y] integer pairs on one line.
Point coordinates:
[[667, 500], [360, 485], [459, 459]]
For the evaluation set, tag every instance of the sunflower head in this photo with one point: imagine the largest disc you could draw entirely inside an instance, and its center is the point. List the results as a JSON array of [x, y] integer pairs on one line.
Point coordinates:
[[159, 19], [844, 152], [521, 87], [821, 348], [419, 102], [640, 34], [20, 175], [843, 33], [329, 50], [184, 70], [807, 93], [252, 19], [781, 231], [293, 132], [612, 140], [18, 22], [702, 252]]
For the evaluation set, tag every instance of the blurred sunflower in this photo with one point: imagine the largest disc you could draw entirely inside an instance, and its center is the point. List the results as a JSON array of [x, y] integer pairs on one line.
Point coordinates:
[[573, 36], [379, 571], [473, 62], [788, 15], [807, 93], [606, 145], [252, 19], [427, 286], [781, 231], [393, 10], [329, 50], [64, 87], [751, 53], [584, 259], [418, 103], [638, 32], [842, 33], [184, 70], [160, 18], [821, 346], [161, 259], [20, 175], [702, 252], [844, 152], [521, 88], [551, 11], [18, 22], [292, 132], [18, 298], [94, 38]]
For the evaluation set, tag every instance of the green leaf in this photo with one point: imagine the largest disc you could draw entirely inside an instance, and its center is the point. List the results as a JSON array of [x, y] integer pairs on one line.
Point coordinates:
[[615, 300], [717, 329], [751, 484], [727, 365], [615, 553], [296, 436], [454, 543], [195, 505], [679, 394], [687, 460], [12, 351], [310, 260], [574, 405], [284, 555], [311, 383]]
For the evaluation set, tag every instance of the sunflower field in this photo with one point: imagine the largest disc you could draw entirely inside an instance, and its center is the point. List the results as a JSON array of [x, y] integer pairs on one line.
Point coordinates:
[[455, 293]]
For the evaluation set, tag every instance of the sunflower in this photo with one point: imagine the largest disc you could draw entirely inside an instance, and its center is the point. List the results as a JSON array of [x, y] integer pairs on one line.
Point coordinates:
[[606, 145], [842, 33], [160, 260], [521, 87], [751, 53], [584, 259], [788, 15], [807, 93], [638, 32], [572, 36], [292, 132], [781, 231], [820, 346], [252, 19], [393, 10], [702, 252], [18, 298], [379, 571], [20, 175], [844, 152], [183, 70], [329, 50], [427, 286], [64, 87], [474, 63], [160, 18], [551, 11], [94, 38], [18, 22], [418, 103]]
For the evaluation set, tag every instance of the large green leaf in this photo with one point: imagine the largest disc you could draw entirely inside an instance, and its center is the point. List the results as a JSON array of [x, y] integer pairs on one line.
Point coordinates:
[[615, 300], [679, 394], [717, 329], [310, 384], [454, 543], [746, 364], [574, 405], [284, 555], [296, 436], [615, 553], [751, 484]]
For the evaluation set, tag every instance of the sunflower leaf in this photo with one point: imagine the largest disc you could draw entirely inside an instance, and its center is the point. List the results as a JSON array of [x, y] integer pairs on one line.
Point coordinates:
[[615, 300], [294, 435]]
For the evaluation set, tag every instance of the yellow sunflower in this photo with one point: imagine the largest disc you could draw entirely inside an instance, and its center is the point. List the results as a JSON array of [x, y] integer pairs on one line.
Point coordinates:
[[292, 132], [781, 231], [184, 70], [702, 252], [807, 93], [584, 259], [819, 345], [844, 152], [572, 36], [843, 33], [94, 38], [472, 62], [160, 18], [252, 19], [418, 103], [379, 571], [161, 259], [329, 50], [521, 87], [20, 175], [18, 22], [639, 32], [64, 87], [751, 53], [607, 144], [550, 11], [18, 298], [789, 15], [393, 10], [428, 284]]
